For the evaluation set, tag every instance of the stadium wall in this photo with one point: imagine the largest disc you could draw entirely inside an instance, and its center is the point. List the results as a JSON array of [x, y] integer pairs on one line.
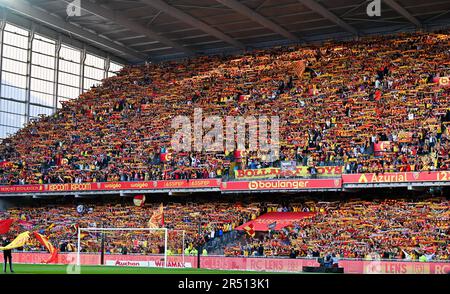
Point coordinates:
[[246, 263]]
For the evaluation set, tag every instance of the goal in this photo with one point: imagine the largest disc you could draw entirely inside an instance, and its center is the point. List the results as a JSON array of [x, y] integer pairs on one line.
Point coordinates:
[[150, 247]]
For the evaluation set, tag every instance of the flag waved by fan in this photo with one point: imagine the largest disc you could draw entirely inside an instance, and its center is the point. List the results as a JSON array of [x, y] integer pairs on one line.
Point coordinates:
[[157, 218], [20, 241], [249, 230], [272, 226], [299, 68], [53, 251], [139, 200], [5, 225]]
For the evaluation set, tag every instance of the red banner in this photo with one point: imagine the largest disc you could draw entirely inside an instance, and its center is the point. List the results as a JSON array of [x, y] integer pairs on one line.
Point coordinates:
[[112, 186], [157, 185], [5, 225], [279, 219], [165, 157], [5, 164], [192, 184], [381, 147], [282, 185], [22, 189], [406, 177]]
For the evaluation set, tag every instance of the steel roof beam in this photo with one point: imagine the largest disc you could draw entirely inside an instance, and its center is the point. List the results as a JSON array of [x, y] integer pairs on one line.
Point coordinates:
[[24, 8], [255, 16], [318, 8], [189, 19], [403, 12], [133, 26]]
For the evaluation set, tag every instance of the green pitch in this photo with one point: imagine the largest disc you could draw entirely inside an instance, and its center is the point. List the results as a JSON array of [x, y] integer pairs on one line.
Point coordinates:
[[87, 269]]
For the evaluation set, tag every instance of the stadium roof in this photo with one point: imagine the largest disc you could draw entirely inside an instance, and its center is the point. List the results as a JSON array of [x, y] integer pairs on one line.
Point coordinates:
[[138, 30]]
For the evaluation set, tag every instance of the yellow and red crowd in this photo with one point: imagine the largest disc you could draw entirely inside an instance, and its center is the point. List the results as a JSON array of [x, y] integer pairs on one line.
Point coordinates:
[[370, 105], [387, 228], [59, 223]]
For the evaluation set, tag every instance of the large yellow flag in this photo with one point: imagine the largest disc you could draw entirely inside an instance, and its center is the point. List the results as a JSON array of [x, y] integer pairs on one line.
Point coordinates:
[[18, 242]]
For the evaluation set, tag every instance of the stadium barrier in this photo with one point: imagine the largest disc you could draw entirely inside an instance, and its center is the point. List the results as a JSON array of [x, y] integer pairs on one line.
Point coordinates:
[[243, 263], [400, 179]]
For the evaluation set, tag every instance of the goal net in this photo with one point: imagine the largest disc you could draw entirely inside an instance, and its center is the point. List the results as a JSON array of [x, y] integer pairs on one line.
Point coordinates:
[[139, 247]]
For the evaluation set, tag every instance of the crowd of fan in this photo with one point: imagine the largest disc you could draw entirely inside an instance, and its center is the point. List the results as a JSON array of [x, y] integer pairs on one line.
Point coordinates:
[[60, 224], [350, 96], [385, 229]]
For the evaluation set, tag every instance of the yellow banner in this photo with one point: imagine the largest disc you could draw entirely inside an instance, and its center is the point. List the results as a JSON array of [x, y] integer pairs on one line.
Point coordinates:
[[300, 171], [18, 242]]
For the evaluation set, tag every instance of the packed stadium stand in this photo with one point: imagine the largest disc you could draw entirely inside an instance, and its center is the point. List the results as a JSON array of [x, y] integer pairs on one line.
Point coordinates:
[[364, 131], [388, 229], [60, 223], [351, 96], [368, 228]]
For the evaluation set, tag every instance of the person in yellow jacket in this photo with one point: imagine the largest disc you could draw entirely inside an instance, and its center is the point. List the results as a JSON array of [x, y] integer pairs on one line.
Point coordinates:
[[205, 252]]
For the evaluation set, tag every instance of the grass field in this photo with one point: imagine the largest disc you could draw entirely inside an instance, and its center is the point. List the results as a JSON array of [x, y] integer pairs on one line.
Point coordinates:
[[64, 269]]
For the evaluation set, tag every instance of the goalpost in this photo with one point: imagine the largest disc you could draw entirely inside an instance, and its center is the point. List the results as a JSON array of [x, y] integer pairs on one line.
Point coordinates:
[[103, 230]]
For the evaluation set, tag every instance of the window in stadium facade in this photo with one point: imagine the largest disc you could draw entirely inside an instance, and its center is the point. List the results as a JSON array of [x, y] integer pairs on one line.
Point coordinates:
[[69, 71], [114, 69], [94, 71], [42, 90], [13, 91], [38, 73]]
